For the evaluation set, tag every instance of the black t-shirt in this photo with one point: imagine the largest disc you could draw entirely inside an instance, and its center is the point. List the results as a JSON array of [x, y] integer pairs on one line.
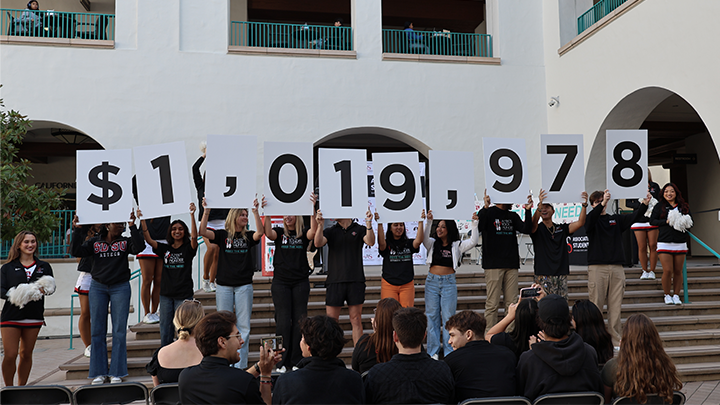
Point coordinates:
[[482, 370], [397, 268], [290, 261], [504, 339], [235, 263], [442, 255], [551, 250], [499, 246], [345, 253], [177, 279]]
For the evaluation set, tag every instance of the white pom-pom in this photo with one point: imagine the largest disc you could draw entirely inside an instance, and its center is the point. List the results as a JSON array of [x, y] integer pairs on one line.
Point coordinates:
[[679, 221], [203, 146], [47, 283], [24, 293], [651, 205]]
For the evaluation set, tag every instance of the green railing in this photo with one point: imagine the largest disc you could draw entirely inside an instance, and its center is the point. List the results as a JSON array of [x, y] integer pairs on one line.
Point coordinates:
[[437, 43], [596, 12], [293, 36], [59, 244], [56, 24]]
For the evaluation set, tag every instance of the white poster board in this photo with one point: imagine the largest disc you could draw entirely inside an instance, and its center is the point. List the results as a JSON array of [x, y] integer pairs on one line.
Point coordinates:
[[104, 186], [627, 163], [563, 168], [162, 179], [505, 165], [230, 171], [342, 183], [452, 182], [398, 193], [288, 178]]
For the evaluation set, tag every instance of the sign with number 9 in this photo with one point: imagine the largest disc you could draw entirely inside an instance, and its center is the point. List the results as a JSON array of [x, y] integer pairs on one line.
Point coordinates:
[[505, 174], [627, 163], [398, 196]]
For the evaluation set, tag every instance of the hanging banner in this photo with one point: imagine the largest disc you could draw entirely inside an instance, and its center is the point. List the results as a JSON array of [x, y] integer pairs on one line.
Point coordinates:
[[627, 163], [506, 176], [288, 178], [231, 171], [342, 183], [104, 186], [563, 169], [162, 179], [452, 182]]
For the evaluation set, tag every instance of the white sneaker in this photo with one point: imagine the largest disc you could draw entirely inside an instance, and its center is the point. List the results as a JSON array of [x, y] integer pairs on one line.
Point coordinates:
[[206, 285], [213, 287], [151, 318], [676, 300], [87, 351], [668, 299], [651, 275], [98, 380], [155, 317], [645, 275], [115, 380]]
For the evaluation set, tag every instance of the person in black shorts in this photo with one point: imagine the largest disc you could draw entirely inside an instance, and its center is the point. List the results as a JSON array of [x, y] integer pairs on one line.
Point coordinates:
[[346, 275]]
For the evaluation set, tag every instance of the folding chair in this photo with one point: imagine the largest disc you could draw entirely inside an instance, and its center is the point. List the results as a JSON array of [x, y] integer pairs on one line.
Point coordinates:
[[571, 398], [36, 394], [165, 394], [122, 393], [678, 399], [497, 400]]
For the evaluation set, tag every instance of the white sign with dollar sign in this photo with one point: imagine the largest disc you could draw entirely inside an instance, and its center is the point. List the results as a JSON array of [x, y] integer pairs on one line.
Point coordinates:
[[163, 179], [104, 186]]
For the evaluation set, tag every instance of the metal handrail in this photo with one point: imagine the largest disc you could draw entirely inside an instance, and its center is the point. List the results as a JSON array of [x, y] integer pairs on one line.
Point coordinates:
[[436, 43], [290, 36], [596, 12], [56, 24], [685, 282]]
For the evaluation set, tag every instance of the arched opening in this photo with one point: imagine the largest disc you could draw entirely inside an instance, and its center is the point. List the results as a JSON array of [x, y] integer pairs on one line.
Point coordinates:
[[680, 150]]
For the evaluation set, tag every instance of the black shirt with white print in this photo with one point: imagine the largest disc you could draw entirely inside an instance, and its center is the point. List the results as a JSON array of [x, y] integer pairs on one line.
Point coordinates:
[[235, 263], [442, 255], [177, 282], [551, 250], [110, 260], [397, 268], [13, 274], [290, 263]]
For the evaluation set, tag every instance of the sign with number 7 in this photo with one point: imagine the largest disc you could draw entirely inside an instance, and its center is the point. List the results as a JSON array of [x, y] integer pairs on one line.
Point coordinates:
[[563, 171], [627, 163]]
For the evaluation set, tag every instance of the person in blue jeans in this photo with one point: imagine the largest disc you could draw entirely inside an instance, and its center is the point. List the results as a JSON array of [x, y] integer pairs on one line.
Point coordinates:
[[110, 285], [444, 256], [235, 267], [177, 258]]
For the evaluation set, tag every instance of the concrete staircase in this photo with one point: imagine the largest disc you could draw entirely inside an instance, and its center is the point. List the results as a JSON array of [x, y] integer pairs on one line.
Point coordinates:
[[691, 332]]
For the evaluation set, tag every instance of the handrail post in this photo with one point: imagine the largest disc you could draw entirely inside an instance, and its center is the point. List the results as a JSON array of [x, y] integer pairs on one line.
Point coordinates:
[[72, 310], [686, 300]]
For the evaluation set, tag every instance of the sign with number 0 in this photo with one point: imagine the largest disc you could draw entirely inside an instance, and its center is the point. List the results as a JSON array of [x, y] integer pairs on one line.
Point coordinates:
[[162, 179], [563, 172], [505, 170], [230, 171], [627, 163], [343, 183], [452, 182], [104, 186], [288, 178], [398, 194]]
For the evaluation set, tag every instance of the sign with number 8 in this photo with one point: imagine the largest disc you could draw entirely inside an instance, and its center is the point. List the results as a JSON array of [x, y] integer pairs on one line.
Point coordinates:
[[627, 163]]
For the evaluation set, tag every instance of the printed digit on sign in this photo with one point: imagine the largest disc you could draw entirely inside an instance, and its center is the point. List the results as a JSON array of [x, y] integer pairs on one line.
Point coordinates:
[[515, 171], [570, 152], [622, 163], [162, 163], [302, 177], [407, 188], [343, 167]]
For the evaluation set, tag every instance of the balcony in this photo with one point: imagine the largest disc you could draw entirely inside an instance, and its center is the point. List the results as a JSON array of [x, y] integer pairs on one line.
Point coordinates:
[[596, 13], [57, 28], [299, 39]]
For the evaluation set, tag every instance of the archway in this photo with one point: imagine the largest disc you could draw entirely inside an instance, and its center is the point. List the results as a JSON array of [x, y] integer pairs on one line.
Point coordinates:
[[679, 144]]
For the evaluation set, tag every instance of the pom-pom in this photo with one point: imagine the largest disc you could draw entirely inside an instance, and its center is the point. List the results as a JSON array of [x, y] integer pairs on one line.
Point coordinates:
[[679, 221], [651, 205], [24, 293], [203, 146]]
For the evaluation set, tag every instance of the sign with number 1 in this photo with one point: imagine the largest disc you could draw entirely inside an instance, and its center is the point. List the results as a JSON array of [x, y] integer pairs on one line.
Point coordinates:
[[343, 183], [163, 179], [627, 163], [104, 186], [505, 175]]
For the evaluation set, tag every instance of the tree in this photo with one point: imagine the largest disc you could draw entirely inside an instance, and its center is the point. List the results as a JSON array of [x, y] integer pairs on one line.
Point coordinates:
[[24, 206]]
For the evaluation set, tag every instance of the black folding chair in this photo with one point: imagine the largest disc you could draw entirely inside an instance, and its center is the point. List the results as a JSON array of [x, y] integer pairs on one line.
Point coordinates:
[[36, 394], [497, 400], [571, 398], [165, 394], [122, 393], [678, 399]]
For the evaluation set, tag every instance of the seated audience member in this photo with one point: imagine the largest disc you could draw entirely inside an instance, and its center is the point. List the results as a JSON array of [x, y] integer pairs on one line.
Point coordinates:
[[481, 370], [411, 376], [524, 313], [214, 381], [641, 367], [169, 361], [589, 324], [322, 378], [561, 362], [377, 347]]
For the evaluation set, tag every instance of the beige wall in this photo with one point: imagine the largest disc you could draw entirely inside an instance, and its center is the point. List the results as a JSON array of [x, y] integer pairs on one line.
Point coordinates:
[[704, 189]]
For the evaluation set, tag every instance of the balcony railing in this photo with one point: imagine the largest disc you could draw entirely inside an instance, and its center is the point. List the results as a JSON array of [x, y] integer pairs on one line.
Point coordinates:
[[437, 43], [59, 244], [596, 12], [290, 36], [56, 24]]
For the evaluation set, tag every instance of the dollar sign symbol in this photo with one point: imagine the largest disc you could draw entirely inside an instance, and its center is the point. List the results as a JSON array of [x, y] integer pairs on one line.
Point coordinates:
[[106, 185]]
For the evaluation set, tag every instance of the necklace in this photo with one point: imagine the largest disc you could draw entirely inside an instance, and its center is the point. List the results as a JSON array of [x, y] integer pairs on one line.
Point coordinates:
[[551, 229]]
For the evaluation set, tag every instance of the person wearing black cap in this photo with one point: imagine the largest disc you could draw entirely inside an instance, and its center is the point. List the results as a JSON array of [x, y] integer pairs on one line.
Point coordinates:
[[559, 361]]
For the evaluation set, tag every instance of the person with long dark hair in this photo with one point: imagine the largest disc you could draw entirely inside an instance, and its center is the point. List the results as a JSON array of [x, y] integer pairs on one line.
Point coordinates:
[[82, 288], [25, 282], [378, 347], [177, 256], [110, 285], [290, 284], [398, 271], [235, 267], [641, 367], [524, 314], [445, 250], [646, 234], [672, 217], [589, 324]]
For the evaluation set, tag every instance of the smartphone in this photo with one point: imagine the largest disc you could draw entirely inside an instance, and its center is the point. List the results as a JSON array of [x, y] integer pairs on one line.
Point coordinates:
[[276, 342], [529, 292]]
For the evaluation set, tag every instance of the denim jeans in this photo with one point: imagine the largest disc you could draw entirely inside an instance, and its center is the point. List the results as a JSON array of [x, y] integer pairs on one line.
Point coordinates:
[[167, 314], [118, 296], [240, 300], [440, 305], [291, 302]]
